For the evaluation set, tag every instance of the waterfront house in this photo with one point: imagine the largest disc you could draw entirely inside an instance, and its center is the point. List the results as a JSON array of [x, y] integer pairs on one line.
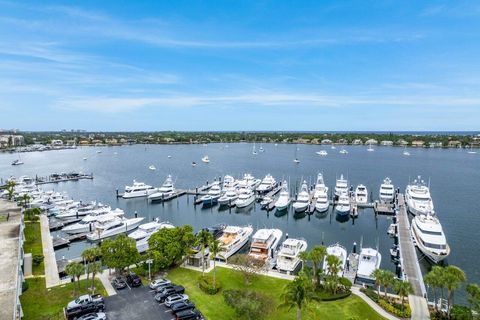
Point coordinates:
[[371, 141], [402, 142], [418, 143], [357, 142], [326, 141], [386, 143], [435, 144], [342, 141], [454, 144]]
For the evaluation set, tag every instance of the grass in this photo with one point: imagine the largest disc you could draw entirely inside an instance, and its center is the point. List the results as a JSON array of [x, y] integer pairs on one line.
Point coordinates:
[[214, 307], [33, 245], [40, 303]]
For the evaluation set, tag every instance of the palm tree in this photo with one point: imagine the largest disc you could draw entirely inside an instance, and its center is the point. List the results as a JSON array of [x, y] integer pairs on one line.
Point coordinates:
[[388, 280], [403, 289], [203, 239], [74, 270], [378, 274], [11, 189], [297, 294], [434, 280], [453, 278], [25, 198], [89, 255], [473, 291], [94, 268], [334, 265], [214, 248], [317, 255]]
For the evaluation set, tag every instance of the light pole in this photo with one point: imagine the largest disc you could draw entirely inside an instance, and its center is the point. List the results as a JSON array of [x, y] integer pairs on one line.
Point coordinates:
[[149, 262]]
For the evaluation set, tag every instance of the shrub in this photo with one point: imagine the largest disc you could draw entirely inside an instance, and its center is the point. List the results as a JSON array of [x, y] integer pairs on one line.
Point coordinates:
[[205, 283], [24, 286], [248, 304], [395, 309], [461, 313], [37, 259]]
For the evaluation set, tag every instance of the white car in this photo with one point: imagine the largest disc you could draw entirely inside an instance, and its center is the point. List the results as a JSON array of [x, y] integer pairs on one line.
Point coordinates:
[[174, 298], [93, 316], [158, 282]]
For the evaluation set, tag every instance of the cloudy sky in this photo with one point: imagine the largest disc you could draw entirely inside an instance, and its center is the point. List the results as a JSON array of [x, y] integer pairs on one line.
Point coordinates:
[[240, 65]]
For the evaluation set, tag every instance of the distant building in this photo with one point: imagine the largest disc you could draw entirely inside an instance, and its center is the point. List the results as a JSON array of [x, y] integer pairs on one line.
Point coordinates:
[[11, 140], [357, 141], [402, 142], [435, 145], [454, 144], [342, 141], [386, 143], [371, 141], [56, 143], [418, 143], [326, 141]]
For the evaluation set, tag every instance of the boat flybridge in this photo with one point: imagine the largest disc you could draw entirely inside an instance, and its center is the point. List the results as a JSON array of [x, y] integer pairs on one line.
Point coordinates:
[[283, 200], [288, 257], [368, 261], [303, 199], [246, 197], [138, 189], [267, 184], [343, 204], [341, 186], [230, 191], [232, 240], [145, 231], [387, 191], [338, 251], [105, 229], [321, 195], [165, 191], [264, 244], [361, 194], [418, 199], [430, 238]]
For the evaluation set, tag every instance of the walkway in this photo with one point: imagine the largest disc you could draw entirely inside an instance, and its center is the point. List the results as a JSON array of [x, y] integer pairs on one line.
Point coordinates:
[[356, 291], [106, 283], [51, 271]]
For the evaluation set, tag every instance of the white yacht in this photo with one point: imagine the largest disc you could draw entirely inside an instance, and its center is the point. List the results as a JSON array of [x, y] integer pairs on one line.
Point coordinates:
[[418, 199], [387, 191], [405, 152], [341, 186], [229, 182], [322, 153], [232, 240], [138, 189], [361, 194], [205, 159], [267, 184], [228, 198], [343, 204], [248, 181], [144, 231], [105, 229], [283, 200], [321, 195], [288, 257], [338, 251], [265, 243], [343, 151], [430, 238], [213, 194], [369, 261], [303, 199], [245, 198], [166, 190], [87, 224]]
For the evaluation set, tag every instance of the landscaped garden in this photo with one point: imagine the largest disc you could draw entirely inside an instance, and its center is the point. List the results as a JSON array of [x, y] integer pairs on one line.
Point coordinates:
[[33, 245]]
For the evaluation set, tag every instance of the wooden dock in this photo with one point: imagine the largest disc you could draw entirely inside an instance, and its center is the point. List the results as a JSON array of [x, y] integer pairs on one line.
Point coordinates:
[[385, 208], [60, 242], [178, 193], [54, 178]]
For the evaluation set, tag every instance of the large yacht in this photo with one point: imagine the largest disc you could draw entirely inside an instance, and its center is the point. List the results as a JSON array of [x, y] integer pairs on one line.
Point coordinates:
[[138, 189], [283, 200], [343, 204], [232, 240], [338, 251], [288, 257], [265, 243], [166, 190], [417, 196], [248, 181], [429, 237], [321, 195], [361, 194], [368, 261], [87, 224], [245, 198], [212, 195], [341, 186], [228, 198], [303, 199], [144, 231], [105, 229], [387, 191], [267, 184]]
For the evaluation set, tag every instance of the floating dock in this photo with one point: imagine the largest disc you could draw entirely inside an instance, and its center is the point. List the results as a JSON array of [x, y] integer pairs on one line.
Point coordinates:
[[60, 242], [381, 207], [56, 178]]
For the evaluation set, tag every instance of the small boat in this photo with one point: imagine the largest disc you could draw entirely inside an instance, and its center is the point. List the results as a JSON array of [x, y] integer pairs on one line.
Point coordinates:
[[303, 199], [361, 194], [296, 160], [206, 159], [99, 151], [17, 162], [194, 164], [392, 229], [343, 151], [394, 250], [370, 148], [261, 149], [152, 167], [322, 153], [333, 147], [405, 152], [84, 158], [169, 157], [296, 157], [472, 152], [265, 202], [288, 258]]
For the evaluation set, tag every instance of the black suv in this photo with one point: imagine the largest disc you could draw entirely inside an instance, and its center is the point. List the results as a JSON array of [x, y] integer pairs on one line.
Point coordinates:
[[182, 305], [191, 314], [133, 280]]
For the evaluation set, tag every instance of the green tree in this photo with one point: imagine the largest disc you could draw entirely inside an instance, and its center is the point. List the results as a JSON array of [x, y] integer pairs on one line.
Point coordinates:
[[298, 294], [378, 274], [434, 280], [32, 214], [24, 200], [453, 278], [75, 270], [388, 280], [214, 248], [249, 304], [203, 239], [94, 267], [248, 266], [403, 289], [119, 253], [473, 291], [316, 256], [89, 255], [10, 189]]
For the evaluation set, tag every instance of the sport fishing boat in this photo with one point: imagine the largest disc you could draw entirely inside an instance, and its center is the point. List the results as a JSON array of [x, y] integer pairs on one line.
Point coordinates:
[[265, 243], [166, 190], [245, 198], [369, 261], [303, 199], [387, 191], [283, 200], [213, 194], [232, 240], [343, 204], [338, 251], [138, 189], [341, 186], [267, 184], [105, 229], [321, 195], [288, 257], [361, 194], [418, 199], [430, 238], [144, 231]]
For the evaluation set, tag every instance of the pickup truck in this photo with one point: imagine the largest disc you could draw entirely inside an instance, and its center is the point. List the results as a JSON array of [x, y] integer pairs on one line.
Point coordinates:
[[83, 305]]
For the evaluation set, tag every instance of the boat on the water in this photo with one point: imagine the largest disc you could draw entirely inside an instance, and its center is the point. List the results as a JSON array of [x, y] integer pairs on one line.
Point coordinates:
[[165, 191], [246, 197], [112, 228], [341, 186], [369, 261], [322, 153], [267, 184], [430, 238], [387, 191], [232, 240], [145, 231], [320, 195], [152, 167], [264, 244], [338, 251], [283, 200], [288, 258], [87, 224], [206, 159], [343, 205], [361, 194], [138, 189], [418, 199], [303, 199]]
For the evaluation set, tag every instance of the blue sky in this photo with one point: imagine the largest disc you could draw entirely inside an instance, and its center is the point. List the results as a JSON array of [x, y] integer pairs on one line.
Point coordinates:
[[240, 65]]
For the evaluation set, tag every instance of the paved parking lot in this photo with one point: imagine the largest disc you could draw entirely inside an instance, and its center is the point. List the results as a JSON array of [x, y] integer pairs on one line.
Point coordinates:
[[136, 303]]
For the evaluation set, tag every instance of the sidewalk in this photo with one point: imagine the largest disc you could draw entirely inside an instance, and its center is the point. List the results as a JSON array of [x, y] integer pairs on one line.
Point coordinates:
[[356, 291], [51, 270]]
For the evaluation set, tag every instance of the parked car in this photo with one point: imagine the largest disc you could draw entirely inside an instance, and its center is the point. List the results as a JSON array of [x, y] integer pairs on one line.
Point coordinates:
[[159, 282], [94, 316], [190, 314], [164, 286], [83, 305], [119, 283], [133, 280], [175, 298], [165, 293], [182, 305]]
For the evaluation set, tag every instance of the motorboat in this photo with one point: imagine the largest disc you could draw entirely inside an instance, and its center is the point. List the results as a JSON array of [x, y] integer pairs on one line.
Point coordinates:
[[229, 182], [343, 151], [248, 181], [392, 229], [267, 184], [194, 164], [418, 199], [232, 240], [87, 224], [228, 198], [144, 231], [266, 201], [213, 194], [387, 191], [165, 191], [338, 251], [265, 243], [288, 258], [283, 200], [361, 194], [322, 153], [245, 198], [296, 160], [320, 195], [370, 148], [343, 204], [17, 162], [341, 186], [405, 152], [205, 159], [303, 199], [369, 260], [82, 212], [430, 238], [105, 229], [261, 149], [254, 150], [152, 167], [138, 189]]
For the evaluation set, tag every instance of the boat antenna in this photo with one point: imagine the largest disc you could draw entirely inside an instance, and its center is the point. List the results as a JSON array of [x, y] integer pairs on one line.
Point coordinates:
[[361, 243]]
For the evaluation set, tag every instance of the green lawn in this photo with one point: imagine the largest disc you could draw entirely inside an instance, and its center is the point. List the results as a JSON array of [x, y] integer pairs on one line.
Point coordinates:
[[214, 307], [33, 244], [39, 303]]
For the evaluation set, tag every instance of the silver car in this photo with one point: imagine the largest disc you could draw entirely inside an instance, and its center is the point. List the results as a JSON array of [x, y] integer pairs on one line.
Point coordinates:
[[158, 282], [93, 316], [174, 298]]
